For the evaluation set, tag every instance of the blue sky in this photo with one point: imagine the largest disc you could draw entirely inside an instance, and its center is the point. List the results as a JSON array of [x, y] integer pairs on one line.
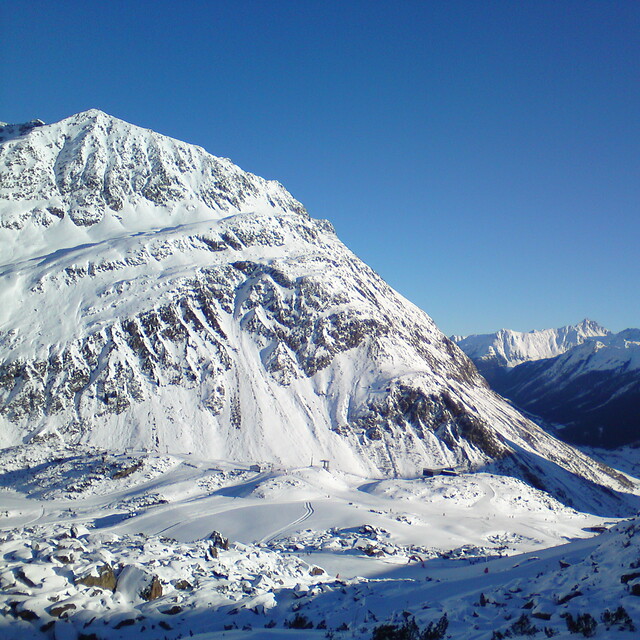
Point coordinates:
[[483, 157]]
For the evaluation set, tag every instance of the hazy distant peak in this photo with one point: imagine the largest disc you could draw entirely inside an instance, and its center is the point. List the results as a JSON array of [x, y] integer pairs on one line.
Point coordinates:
[[509, 348], [591, 326]]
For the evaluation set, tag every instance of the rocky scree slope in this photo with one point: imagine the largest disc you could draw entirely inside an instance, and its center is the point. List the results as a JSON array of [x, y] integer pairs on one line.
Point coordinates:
[[161, 297], [61, 581]]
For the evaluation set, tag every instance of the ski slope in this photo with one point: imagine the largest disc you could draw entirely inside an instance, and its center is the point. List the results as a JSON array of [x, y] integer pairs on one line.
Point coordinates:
[[348, 552]]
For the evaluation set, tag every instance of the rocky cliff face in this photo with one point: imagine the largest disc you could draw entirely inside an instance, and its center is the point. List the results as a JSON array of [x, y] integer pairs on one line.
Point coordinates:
[[164, 298]]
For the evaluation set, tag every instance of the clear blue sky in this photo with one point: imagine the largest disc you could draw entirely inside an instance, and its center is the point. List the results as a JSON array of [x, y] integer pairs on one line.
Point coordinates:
[[483, 157]]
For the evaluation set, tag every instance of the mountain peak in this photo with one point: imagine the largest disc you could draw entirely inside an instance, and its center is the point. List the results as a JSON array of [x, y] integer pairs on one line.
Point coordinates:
[[9, 131], [93, 113], [510, 348], [592, 326], [97, 116], [90, 176]]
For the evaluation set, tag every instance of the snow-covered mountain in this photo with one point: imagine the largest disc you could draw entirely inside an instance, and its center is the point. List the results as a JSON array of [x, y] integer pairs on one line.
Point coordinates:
[[583, 378], [91, 177], [507, 348], [161, 297], [593, 390]]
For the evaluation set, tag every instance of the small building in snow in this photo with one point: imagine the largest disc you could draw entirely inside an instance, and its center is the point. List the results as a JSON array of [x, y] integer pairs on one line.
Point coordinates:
[[428, 472]]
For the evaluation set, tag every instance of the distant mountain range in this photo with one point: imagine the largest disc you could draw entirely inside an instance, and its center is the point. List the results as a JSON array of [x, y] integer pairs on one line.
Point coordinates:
[[507, 348], [582, 378]]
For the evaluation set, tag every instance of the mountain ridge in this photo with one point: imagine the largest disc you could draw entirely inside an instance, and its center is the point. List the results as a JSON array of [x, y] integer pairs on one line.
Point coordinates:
[[589, 390], [93, 176], [509, 348]]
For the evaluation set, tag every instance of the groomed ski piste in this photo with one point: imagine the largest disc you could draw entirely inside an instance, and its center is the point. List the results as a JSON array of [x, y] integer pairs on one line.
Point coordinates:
[[103, 545]]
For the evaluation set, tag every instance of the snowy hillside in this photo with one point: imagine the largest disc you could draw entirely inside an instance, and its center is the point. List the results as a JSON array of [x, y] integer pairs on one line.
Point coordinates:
[[163, 298], [508, 348], [184, 353], [92, 177]]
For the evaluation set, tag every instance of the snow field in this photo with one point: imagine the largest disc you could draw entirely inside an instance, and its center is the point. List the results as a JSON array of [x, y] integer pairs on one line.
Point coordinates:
[[342, 551], [178, 304]]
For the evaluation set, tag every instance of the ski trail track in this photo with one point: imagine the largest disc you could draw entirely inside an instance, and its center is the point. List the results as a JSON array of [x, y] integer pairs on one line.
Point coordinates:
[[309, 511]]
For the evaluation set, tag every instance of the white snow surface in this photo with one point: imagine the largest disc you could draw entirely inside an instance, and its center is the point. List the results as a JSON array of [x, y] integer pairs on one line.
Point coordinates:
[[346, 552], [183, 346], [92, 177], [510, 348], [614, 352]]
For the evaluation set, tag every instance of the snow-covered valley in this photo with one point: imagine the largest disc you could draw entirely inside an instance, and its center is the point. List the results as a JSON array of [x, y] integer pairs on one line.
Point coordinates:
[[582, 380], [297, 547]]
